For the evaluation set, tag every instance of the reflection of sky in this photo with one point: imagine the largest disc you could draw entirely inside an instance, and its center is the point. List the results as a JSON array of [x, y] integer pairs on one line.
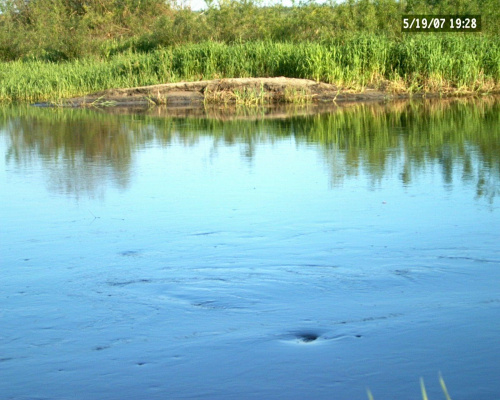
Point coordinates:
[[206, 187]]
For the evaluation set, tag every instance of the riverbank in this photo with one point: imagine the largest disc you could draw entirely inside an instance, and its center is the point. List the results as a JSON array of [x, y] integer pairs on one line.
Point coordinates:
[[239, 91], [440, 65]]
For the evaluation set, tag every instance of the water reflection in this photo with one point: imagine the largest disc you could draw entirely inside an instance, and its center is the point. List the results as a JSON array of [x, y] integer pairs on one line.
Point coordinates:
[[83, 149]]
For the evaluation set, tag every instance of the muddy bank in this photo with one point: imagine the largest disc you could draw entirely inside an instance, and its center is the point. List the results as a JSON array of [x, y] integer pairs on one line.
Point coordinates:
[[245, 91]]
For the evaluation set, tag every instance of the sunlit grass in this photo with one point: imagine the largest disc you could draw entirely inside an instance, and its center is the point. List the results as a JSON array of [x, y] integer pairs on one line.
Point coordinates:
[[439, 63]]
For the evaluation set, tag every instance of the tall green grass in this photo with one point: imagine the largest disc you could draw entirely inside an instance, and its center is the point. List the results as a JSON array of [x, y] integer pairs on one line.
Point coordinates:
[[413, 63]]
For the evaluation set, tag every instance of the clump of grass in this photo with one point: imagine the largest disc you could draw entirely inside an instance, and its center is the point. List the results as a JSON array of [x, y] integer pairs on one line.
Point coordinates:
[[241, 96], [217, 97], [251, 96], [101, 102], [257, 96], [159, 100], [244, 96], [297, 96]]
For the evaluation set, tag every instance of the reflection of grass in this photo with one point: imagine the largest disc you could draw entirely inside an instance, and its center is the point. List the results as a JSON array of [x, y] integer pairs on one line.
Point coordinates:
[[461, 138], [422, 388]]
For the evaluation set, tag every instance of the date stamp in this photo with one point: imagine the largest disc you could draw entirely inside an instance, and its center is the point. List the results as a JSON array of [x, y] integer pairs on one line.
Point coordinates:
[[441, 23]]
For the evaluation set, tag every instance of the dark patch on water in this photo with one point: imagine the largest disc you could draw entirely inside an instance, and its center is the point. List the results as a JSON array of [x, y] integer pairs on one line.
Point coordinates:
[[206, 304], [490, 301], [481, 260], [204, 233], [303, 336], [404, 273], [369, 319], [318, 266], [129, 253], [125, 283], [217, 305], [401, 271], [307, 337], [35, 398]]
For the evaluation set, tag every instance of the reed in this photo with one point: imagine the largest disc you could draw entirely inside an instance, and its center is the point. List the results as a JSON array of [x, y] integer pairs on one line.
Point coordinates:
[[424, 63]]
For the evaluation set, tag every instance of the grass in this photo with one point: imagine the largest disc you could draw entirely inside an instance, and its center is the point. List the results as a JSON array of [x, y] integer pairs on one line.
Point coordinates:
[[250, 96], [158, 100], [296, 96], [246, 96], [256, 96], [425, 63], [422, 389]]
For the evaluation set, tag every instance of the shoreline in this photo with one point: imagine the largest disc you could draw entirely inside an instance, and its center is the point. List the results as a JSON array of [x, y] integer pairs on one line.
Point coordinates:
[[246, 92]]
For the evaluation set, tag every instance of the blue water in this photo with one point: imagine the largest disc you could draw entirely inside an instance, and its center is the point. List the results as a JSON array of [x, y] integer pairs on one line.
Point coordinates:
[[146, 258]]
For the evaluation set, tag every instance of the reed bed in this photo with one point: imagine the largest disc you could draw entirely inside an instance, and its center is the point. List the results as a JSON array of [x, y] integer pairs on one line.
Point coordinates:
[[414, 63]]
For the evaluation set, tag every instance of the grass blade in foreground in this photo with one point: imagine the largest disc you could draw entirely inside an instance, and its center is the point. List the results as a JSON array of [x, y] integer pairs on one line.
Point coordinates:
[[422, 387]]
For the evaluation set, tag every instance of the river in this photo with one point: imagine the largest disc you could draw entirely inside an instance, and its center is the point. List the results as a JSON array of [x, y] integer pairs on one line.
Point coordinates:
[[317, 256]]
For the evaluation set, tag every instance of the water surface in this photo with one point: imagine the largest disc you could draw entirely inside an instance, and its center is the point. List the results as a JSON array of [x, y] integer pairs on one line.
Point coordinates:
[[312, 257]]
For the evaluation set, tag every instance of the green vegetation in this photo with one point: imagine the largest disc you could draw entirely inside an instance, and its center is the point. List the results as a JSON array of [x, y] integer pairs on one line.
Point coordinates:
[[55, 30], [421, 63], [247, 96], [51, 49]]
